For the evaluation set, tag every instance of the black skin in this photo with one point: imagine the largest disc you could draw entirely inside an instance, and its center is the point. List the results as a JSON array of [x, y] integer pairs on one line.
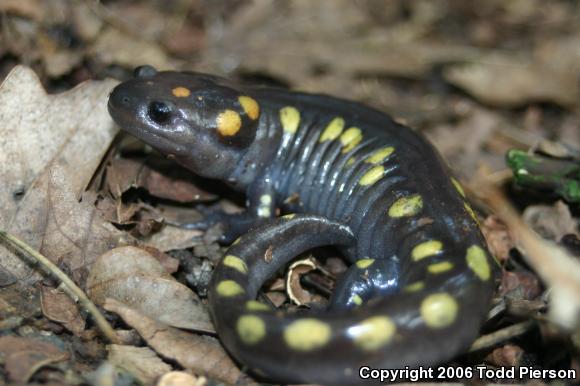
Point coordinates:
[[301, 173]]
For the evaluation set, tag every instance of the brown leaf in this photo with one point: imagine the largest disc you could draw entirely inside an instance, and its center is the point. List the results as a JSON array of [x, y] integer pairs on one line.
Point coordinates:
[[498, 238], [59, 307], [27, 8], [551, 222], [180, 378], [140, 362], [19, 300], [24, 356], [171, 237], [114, 47], [509, 82], [123, 174], [170, 264], [520, 285], [297, 294], [202, 354], [135, 277], [50, 146], [507, 356]]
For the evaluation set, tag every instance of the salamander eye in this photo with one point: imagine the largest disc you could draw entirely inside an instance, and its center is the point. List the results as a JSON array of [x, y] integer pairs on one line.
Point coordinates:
[[144, 71], [159, 112]]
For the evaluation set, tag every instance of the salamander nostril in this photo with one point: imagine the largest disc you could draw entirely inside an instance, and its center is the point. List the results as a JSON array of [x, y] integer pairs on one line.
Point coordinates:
[[125, 100]]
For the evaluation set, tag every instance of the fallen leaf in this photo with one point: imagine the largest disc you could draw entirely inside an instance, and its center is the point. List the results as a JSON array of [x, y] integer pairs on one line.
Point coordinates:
[[59, 307], [180, 378], [498, 238], [172, 237], [50, 145], [551, 222], [202, 354], [114, 47], [296, 292], [520, 285], [141, 362], [507, 356], [508, 82], [24, 356], [134, 277]]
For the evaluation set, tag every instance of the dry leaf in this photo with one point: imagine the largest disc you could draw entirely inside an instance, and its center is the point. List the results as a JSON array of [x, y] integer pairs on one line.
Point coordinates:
[[169, 183], [59, 307], [115, 47], [171, 237], [551, 222], [24, 356], [134, 277], [141, 362], [520, 285], [202, 354], [297, 294], [50, 145], [180, 378], [498, 238], [507, 356], [509, 82]]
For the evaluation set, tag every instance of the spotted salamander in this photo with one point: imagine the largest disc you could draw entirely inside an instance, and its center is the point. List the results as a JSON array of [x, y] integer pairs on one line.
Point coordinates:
[[421, 277]]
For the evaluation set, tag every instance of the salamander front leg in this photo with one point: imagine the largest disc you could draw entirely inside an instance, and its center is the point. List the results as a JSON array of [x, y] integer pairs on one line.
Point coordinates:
[[261, 207]]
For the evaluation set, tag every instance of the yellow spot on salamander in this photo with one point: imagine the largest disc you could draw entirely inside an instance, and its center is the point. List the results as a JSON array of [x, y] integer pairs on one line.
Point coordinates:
[[350, 161], [237, 241], [477, 262], [458, 187], [372, 175], [265, 199], [289, 216], [181, 92], [439, 310], [415, 287], [380, 155], [333, 130], [250, 106], [236, 263], [357, 300], [307, 334], [264, 209], [373, 333], [350, 138], [251, 329], [229, 288], [364, 263], [406, 206], [426, 249], [228, 123], [254, 305], [290, 119], [471, 212], [442, 266]]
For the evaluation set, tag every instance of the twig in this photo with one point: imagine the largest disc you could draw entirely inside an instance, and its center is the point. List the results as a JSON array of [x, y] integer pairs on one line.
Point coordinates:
[[498, 336], [68, 285]]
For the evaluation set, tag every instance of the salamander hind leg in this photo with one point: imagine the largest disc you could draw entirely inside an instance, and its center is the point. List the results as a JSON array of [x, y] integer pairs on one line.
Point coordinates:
[[364, 280]]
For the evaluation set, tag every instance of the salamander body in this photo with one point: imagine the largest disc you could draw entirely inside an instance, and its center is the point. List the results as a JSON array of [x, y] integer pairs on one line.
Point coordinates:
[[421, 277]]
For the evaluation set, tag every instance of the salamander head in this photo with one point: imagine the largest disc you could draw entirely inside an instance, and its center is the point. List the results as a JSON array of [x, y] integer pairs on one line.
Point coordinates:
[[197, 119]]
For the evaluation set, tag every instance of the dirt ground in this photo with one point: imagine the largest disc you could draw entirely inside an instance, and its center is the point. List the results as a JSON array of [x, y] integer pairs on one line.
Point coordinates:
[[494, 85]]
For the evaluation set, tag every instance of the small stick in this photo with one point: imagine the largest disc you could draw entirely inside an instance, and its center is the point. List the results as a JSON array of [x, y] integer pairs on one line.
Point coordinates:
[[501, 335], [68, 285]]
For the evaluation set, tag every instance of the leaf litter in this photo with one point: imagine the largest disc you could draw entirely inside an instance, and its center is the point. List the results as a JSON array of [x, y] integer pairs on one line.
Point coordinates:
[[477, 80]]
